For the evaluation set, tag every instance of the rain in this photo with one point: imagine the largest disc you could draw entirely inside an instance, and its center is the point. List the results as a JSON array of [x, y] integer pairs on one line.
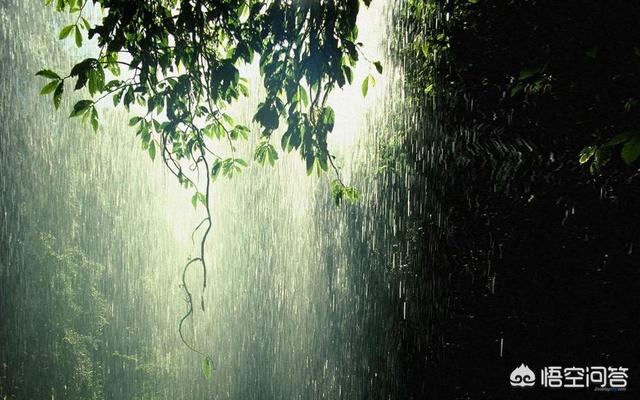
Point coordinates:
[[303, 295], [438, 279]]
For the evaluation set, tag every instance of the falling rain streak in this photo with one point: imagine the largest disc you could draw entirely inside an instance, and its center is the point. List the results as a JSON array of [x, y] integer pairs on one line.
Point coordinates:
[[304, 297]]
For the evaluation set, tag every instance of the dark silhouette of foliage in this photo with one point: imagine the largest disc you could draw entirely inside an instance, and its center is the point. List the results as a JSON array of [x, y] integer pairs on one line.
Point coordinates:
[[539, 260], [529, 65]]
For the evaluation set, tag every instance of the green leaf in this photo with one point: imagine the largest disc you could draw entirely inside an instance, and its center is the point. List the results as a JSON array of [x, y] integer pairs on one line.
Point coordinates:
[[74, 6], [531, 71], [152, 103], [368, 82], [310, 161], [619, 139], [207, 367], [86, 23], [336, 191], [78, 37], [243, 89], [517, 88], [214, 130], [266, 152], [240, 132], [145, 134], [57, 95], [302, 96], [82, 81], [49, 87], [328, 118], [112, 63], [47, 73], [135, 120], [348, 73], [129, 97], [92, 82], [66, 31], [232, 166], [96, 79], [80, 107], [94, 119], [586, 154], [83, 67], [425, 49], [631, 150], [198, 198], [260, 154], [243, 12], [152, 150], [229, 119], [117, 97], [273, 155], [428, 89], [601, 157], [341, 192], [267, 116], [378, 66], [215, 169], [322, 163]]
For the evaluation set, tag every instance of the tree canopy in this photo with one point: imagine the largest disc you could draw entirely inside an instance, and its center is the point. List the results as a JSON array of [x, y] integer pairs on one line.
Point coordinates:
[[179, 59], [183, 59], [535, 68]]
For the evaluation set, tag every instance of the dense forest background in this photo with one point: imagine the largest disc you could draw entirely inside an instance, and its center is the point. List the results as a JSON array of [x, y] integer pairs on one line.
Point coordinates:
[[540, 252], [497, 224]]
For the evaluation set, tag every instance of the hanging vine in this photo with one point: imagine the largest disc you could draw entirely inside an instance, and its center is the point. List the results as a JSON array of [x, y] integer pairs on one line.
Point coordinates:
[[181, 59]]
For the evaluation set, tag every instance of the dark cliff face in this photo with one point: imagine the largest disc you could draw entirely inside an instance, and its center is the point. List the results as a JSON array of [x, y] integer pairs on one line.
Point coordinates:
[[542, 256]]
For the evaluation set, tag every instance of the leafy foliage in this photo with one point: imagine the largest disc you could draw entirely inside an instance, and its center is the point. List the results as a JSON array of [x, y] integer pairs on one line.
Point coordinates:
[[573, 76], [181, 61], [67, 351], [628, 145], [523, 87], [61, 342], [341, 192]]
